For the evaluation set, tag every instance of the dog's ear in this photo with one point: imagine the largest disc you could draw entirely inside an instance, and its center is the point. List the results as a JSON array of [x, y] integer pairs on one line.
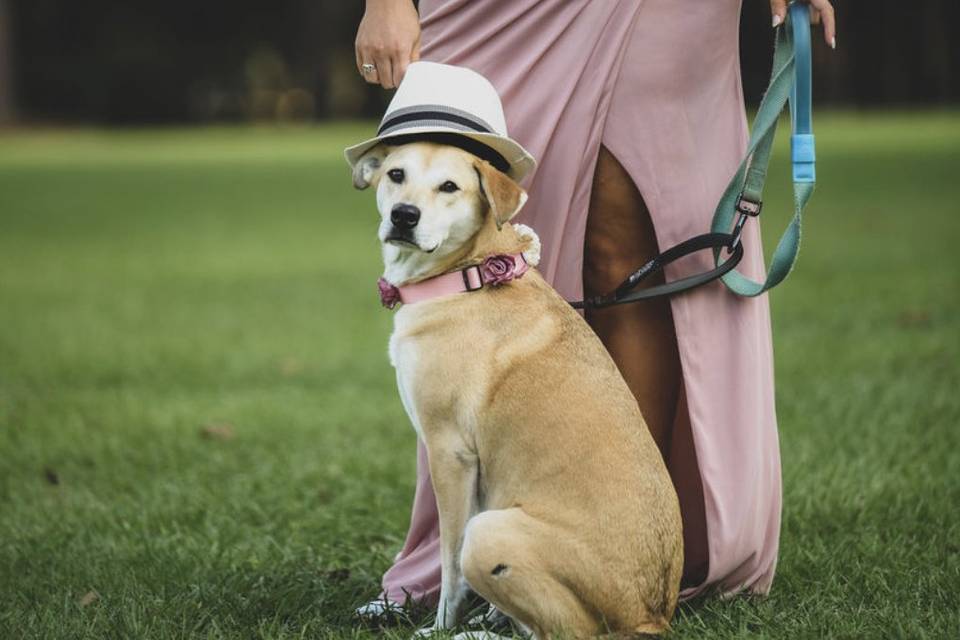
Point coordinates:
[[366, 171], [503, 195]]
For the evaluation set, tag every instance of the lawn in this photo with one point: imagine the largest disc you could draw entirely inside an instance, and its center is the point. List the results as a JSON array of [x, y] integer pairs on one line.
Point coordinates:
[[200, 435]]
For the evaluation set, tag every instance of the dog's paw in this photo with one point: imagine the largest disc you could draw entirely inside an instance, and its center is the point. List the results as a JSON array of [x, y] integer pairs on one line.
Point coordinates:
[[532, 254]]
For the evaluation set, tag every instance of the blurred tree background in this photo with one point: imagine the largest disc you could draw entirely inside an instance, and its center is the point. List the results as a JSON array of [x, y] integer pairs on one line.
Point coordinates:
[[146, 62]]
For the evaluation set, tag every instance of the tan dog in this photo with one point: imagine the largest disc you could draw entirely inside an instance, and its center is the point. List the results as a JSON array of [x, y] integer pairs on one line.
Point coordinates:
[[555, 504]]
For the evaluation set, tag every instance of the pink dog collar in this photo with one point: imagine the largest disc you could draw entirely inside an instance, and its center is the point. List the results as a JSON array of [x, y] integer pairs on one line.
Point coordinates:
[[493, 271]]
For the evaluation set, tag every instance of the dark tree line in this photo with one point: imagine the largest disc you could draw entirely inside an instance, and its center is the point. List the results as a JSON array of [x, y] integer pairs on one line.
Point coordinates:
[[108, 61]]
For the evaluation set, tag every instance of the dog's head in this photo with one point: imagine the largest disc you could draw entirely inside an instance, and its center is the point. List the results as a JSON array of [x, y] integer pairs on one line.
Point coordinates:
[[436, 202]]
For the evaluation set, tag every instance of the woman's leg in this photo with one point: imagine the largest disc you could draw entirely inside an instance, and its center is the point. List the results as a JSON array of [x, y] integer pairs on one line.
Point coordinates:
[[685, 473], [641, 338]]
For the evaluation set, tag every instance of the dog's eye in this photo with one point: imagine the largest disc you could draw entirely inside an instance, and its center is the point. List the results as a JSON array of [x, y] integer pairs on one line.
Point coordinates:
[[396, 175], [449, 187]]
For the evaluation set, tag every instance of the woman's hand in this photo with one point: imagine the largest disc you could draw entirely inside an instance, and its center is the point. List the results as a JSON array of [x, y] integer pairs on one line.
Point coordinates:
[[820, 10], [388, 39]]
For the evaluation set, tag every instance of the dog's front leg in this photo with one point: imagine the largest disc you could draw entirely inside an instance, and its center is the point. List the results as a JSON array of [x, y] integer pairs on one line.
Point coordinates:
[[454, 469]]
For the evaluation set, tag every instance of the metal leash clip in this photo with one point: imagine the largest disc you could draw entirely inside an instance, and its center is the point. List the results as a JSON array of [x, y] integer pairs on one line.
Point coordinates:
[[746, 209]]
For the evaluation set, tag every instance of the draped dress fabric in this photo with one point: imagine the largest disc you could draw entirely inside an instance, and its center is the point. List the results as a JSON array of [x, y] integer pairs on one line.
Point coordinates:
[[657, 82]]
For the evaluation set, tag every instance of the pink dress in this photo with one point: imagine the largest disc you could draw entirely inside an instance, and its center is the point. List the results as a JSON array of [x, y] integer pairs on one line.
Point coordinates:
[[658, 83]]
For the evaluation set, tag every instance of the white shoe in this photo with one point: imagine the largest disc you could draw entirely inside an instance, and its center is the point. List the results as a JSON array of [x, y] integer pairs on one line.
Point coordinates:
[[489, 618], [377, 610]]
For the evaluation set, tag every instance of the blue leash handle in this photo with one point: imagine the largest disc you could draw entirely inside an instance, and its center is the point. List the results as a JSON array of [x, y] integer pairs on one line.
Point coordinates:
[[802, 148]]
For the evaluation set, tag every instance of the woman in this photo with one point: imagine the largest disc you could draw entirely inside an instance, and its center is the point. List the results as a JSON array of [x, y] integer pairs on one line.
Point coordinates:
[[634, 111]]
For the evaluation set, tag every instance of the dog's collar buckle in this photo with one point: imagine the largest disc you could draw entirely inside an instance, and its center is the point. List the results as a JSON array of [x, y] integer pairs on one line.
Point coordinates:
[[472, 278]]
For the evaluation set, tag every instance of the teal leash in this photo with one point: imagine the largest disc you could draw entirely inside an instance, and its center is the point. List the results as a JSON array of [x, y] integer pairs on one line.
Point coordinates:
[[790, 81]]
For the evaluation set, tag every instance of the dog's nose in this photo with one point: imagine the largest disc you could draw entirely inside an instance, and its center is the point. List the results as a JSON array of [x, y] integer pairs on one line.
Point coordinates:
[[405, 216]]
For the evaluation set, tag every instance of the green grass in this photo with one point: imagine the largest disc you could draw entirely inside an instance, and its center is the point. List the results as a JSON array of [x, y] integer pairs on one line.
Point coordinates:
[[153, 283]]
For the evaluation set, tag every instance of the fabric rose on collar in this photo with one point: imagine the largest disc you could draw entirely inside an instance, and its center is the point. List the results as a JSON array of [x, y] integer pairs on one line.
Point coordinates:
[[389, 294], [501, 268]]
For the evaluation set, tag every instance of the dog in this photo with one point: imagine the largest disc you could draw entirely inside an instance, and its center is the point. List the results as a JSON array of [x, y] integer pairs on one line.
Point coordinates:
[[555, 504]]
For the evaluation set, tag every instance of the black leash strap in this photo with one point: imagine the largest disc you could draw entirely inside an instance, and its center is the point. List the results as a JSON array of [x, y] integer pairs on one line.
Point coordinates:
[[624, 292]]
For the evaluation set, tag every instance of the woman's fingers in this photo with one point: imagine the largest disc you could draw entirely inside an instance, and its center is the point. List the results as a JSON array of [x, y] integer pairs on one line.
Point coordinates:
[[368, 71], [385, 71], [371, 76], [820, 11], [383, 63], [826, 14], [415, 54], [389, 67], [401, 63], [366, 67], [364, 57], [779, 10], [399, 68]]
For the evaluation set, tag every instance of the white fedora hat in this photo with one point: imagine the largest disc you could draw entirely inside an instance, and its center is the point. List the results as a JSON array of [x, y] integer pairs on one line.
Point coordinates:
[[452, 105]]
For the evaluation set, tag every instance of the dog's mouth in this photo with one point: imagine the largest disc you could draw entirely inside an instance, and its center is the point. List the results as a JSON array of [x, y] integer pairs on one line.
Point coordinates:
[[404, 241]]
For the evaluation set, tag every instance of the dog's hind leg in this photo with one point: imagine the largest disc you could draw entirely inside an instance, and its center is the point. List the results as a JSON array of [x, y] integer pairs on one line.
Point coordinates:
[[508, 557]]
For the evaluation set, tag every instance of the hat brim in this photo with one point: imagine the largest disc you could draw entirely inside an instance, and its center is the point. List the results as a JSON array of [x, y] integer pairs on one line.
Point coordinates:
[[520, 160]]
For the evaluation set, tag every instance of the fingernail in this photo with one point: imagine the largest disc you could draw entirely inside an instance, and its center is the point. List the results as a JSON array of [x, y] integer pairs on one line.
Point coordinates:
[[776, 21], [833, 42]]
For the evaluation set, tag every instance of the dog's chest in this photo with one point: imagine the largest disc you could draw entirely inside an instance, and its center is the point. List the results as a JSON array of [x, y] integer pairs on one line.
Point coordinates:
[[403, 356], [435, 378]]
